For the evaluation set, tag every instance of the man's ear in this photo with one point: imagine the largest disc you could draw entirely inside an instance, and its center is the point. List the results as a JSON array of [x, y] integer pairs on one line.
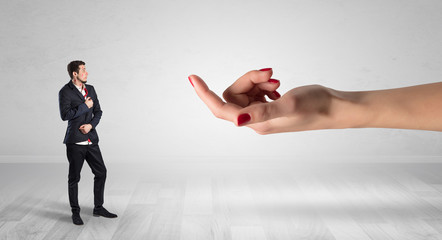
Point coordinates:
[[74, 74]]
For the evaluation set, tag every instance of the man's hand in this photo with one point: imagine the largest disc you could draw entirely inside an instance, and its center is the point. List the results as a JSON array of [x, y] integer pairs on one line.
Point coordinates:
[[85, 128], [89, 102]]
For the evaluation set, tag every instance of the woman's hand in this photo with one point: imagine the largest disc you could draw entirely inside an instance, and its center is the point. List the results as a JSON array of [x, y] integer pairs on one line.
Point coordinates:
[[317, 107], [303, 108]]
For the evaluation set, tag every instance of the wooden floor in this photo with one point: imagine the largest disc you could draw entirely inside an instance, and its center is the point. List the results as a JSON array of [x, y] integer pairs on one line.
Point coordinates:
[[193, 200]]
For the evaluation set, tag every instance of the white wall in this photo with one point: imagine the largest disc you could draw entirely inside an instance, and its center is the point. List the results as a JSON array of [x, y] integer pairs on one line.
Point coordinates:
[[139, 54]]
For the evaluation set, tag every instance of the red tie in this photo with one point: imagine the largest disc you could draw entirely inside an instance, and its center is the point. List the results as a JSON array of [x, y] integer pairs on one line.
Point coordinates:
[[85, 97]]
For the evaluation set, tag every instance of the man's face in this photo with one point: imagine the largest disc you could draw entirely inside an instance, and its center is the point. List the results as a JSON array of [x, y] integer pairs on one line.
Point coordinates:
[[82, 74]]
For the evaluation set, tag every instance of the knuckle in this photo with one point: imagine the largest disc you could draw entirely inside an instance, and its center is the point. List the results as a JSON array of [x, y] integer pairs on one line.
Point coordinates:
[[264, 128], [266, 111], [253, 74], [227, 95], [217, 114], [261, 133]]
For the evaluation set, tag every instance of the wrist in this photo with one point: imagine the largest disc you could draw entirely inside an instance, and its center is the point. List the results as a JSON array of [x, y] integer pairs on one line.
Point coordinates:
[[351, 109]]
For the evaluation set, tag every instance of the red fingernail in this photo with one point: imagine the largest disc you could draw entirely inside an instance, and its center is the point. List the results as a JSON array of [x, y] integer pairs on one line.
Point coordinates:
[[277, 94], [265, 69], [190, 80], [243, 118], [273, 80]]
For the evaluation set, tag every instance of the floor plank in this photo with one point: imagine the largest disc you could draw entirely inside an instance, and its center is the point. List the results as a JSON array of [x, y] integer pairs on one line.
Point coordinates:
[[195, 200]]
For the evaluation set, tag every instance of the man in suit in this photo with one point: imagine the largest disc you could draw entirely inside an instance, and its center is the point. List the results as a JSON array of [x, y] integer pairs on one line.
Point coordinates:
[[79, 105]]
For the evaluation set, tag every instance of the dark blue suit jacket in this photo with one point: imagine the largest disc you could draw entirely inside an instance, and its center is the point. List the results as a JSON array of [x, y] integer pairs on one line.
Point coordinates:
[[75, 111]]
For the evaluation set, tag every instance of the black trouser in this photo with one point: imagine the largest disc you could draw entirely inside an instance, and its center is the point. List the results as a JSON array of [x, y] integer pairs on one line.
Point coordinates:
[[76, 156]]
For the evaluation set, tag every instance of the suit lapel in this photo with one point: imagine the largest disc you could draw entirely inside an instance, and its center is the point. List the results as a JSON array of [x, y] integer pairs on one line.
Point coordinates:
[[74, 88]]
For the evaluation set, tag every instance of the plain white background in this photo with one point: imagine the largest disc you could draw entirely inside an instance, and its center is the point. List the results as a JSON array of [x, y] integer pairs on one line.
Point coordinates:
[[139, 54]]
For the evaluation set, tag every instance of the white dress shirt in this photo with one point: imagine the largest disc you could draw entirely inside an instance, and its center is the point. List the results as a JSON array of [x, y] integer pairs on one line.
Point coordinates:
[[81, 89]]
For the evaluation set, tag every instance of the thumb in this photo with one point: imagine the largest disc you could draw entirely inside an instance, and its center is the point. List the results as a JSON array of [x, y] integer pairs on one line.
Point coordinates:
[[262, 112]]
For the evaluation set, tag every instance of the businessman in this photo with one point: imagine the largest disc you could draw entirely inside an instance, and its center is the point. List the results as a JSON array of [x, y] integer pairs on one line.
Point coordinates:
[[79, 105]]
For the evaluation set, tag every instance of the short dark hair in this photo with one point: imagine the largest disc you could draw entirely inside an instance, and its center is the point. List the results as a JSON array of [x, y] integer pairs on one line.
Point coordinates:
[[74, 67]]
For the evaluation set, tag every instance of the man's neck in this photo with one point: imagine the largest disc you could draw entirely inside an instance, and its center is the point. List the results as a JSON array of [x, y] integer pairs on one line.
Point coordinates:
[[77, 83]]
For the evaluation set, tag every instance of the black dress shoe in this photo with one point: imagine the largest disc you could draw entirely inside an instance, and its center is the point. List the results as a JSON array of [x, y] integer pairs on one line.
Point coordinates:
[[76, 219], [104, 213]]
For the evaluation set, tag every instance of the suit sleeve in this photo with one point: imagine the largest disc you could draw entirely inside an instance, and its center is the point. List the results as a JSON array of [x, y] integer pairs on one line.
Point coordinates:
[[66, 111], [96, 110]]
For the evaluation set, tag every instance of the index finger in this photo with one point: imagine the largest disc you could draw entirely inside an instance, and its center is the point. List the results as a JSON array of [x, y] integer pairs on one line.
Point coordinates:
[[217, 106], [247, 81]]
